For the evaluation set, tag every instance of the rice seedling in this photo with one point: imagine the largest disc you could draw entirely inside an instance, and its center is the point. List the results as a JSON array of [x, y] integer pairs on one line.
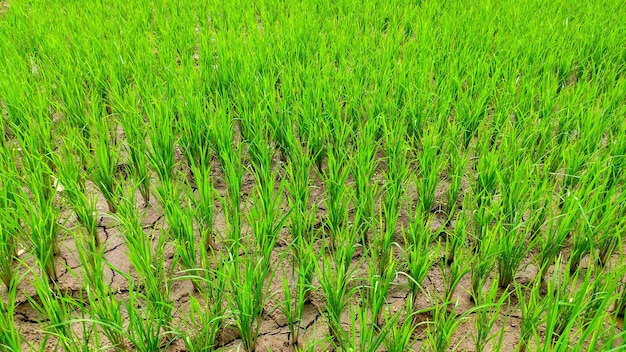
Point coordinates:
[[443, 325], [419, 255], [338, 170], [457, 240], [512, 250], [371, 334], [457, 165], [180, 218], [207, 313], [378, 284], [43, 232], [10, 230], [204, 203], [365, 188], [452, 275], [298, 187], [162, 139], [10, 336], [105, 160], [150, 309], [532, 307], [486, 316], [337, 275], [248, 294], [565, 303], [135, 132], [229, 154], [293, 306], [430, 167], [72, 181], [481, 268], [400, 336], [560, 226], [58, 309]]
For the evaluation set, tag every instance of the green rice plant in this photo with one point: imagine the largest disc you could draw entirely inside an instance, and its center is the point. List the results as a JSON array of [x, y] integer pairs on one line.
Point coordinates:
[[293, 305], [10, 336], [532, 308], [10, 229], [8, 249], [566, 302], [366, 333], [418, 253], [513, 249], [487, 314], [37, 166], [298, 187], [180, 218], [617, 163], [204, 203], [266, 220], [620, 302], [395, 188], [481, 267], [364, 170], [283, 134], [148, 325], [251, 274], [378, 284], [338, 169], [104, 308], [430, 167], [229, 153], [191, 125], [601, 296], [313, 130], [249, 291], [41, 216], [162, 138], [336, 276], [457, 240], [487, 168], [135, 133], [36, 171], [606, 227], [396, 152], [581, 246], [104, 164], [574, 164], [593, 205], [207, 313], [381, 249], [452, 276], [57, 308], [482, 217], [72, 181], [401, 331], [515, 183], [560, 226], [457, 166], [444, 324]]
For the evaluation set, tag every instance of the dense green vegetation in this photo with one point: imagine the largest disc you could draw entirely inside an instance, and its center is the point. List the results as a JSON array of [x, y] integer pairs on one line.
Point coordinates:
[[404, 168]]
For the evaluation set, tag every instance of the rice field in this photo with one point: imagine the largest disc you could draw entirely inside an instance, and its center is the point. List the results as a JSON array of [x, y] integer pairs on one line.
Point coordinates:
[[281, 175]]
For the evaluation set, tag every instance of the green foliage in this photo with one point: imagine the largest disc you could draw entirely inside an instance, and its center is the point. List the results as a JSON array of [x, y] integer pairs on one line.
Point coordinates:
[[373, 160]]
